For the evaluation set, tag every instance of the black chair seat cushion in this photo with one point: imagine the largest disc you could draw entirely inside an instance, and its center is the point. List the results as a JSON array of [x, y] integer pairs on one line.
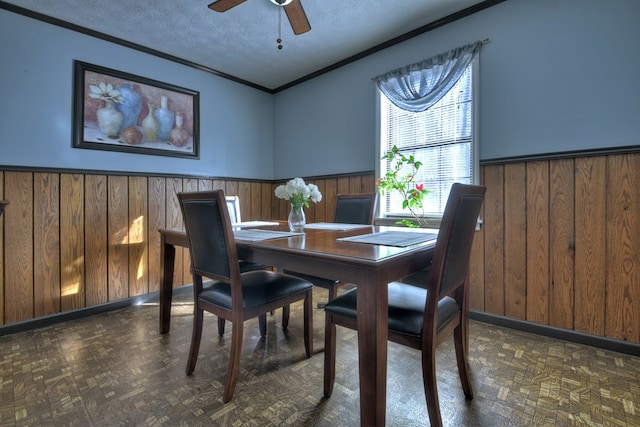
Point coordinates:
[[420, 278], [316, 280], [251, 266], [406, 308], [258, 288]]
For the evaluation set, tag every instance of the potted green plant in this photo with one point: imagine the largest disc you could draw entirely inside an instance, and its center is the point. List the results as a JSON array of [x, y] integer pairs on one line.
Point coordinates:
[[401, 177]]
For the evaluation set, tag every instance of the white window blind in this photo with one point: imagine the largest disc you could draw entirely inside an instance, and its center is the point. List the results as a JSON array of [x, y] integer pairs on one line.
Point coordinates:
[[440, 137]]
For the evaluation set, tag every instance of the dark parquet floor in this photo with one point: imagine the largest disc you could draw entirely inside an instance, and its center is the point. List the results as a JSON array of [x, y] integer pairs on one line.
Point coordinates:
[[115, 369]]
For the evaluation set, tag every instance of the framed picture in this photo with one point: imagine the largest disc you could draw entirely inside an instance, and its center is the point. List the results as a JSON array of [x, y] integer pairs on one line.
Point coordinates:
[[118, 111]]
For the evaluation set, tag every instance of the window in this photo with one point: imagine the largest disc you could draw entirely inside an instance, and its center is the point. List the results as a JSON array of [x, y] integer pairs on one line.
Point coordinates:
[[441, 137]]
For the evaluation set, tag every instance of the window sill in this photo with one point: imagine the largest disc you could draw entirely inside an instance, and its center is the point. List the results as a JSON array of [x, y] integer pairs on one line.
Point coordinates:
[[432, 222]]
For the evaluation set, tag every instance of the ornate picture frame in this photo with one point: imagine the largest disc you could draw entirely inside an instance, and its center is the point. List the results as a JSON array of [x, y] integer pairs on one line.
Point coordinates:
[[118, 111]]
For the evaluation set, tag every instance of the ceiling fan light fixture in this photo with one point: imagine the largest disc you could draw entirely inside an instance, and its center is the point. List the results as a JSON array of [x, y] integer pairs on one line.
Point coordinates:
[[281, 2], [293, 8]]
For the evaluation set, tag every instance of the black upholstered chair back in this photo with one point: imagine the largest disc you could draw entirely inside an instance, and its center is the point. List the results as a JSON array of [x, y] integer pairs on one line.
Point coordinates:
[[453, 248], [423, 319], [355, 208], [232, 296], [206, 219]]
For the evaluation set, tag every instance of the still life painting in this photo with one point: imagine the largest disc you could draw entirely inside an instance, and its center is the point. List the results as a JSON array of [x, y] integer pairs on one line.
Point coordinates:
[[119, 111]]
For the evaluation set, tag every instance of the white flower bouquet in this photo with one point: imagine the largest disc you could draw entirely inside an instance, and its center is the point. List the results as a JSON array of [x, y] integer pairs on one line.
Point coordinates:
[[298, 193]]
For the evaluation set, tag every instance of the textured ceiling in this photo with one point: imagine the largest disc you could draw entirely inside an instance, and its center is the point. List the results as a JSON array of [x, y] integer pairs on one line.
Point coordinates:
[[242, 41]]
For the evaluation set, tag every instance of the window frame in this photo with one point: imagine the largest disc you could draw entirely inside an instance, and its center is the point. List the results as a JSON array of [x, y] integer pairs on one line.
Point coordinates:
[[432, 221]]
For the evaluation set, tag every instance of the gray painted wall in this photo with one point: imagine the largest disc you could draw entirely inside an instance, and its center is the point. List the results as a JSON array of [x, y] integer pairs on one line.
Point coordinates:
[[556, 75], [36, 83]]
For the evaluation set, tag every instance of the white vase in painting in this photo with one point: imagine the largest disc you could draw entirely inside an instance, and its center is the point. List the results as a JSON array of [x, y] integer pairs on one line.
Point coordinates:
[[150, 126], [109, 119]]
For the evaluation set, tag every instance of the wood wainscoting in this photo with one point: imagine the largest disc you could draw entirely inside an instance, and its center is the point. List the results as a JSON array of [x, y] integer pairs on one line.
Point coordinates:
[[557, 247], [72, 240]]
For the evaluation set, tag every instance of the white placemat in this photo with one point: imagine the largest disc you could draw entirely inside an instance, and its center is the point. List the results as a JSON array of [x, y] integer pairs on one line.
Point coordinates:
[[392, 238], [334, 226], [254, 235], [246, 224]]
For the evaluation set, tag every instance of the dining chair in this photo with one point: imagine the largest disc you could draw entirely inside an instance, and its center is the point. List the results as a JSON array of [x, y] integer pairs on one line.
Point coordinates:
[[357, 208], [233, 296], [422, 317], [233, 206]]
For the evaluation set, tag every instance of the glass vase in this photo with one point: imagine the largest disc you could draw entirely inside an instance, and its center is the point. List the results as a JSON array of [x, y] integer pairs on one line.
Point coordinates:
[[297, 220]]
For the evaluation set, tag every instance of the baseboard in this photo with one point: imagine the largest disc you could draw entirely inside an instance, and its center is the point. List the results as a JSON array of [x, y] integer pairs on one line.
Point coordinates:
[[51, 319], [80, 313], [605, 343]]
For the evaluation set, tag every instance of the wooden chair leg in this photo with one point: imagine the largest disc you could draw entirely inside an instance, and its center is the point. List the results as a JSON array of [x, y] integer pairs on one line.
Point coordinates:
[[459, 339], [221, 323], [262, 323], [286, 311], [431, 387], [308, 323], [329, 355], [196, 335], [333, 292], [234, 360]]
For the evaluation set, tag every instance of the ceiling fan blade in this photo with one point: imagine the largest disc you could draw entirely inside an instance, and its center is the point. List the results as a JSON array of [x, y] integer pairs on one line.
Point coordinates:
[[224, 5], [297, 17]]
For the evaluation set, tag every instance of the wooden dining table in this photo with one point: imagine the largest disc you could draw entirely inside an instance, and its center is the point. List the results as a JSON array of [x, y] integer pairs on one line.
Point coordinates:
[[322, 252]]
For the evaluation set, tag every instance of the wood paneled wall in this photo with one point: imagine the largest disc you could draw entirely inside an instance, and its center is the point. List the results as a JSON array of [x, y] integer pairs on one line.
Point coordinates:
[[558, 245], [74, 240]]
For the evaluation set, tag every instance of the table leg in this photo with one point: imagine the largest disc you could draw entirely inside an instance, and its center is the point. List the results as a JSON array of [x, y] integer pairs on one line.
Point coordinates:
[[372, 351], [167, 259]]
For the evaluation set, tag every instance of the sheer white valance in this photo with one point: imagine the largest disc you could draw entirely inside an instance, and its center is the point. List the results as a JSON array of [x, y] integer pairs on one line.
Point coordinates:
[[418, 86]]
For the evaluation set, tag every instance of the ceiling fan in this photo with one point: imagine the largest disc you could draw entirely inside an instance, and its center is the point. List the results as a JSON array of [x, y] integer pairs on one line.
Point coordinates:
[[293, 9]]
